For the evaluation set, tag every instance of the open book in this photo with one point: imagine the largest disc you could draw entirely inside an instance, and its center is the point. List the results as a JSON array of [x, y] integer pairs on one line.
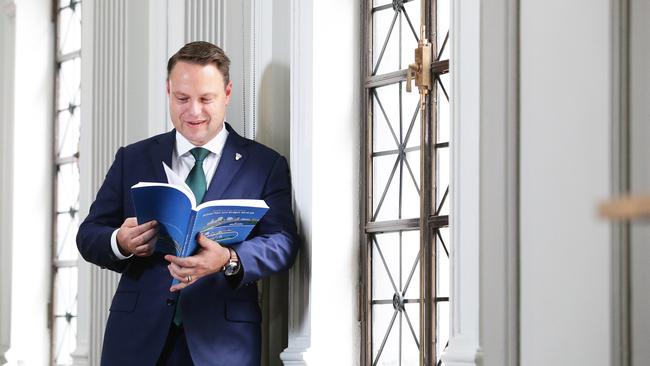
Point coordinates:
[[173, 205]]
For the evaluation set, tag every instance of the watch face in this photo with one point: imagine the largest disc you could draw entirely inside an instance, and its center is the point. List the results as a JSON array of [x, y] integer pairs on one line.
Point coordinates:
[[232, 269]]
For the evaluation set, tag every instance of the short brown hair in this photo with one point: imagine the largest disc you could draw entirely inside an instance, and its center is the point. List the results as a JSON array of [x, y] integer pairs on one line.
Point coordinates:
[[202, 53]]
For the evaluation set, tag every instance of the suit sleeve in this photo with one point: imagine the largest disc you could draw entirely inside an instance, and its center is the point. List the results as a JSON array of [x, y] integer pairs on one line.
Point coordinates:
[[275, 244], [106, 214]]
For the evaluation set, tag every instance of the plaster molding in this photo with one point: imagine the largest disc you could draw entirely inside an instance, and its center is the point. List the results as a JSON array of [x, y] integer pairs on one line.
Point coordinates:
[[499, 183], [464, 184], [463, 350]]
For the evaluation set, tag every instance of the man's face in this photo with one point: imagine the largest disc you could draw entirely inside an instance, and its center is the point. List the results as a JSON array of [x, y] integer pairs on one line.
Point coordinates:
[[197, 100]]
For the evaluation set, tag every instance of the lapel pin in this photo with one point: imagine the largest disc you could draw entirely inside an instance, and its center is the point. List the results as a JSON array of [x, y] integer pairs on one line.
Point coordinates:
[[237, 156]]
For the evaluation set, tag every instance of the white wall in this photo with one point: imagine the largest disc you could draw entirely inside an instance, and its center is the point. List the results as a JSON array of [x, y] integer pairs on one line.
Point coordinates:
[[335, 157], [565, 171], [325, 148], [32, 183]]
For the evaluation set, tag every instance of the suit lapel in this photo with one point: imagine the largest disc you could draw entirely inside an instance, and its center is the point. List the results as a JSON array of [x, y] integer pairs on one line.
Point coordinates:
[[233, 157], [162, 150]]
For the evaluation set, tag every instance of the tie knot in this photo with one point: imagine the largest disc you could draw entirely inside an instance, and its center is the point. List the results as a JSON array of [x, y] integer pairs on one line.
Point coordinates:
[[199, 154]]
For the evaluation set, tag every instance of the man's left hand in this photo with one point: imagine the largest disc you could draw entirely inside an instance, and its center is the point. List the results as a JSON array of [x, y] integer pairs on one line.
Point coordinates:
[[210, 258]]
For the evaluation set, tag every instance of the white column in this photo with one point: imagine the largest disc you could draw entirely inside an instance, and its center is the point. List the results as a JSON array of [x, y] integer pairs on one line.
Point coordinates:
[[463, 348], [499, 184], [104, 116], [31, 212], [7, 39], [301, 104]]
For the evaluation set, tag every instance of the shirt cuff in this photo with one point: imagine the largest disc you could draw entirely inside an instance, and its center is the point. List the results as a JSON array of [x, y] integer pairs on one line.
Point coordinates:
[[116, 249]]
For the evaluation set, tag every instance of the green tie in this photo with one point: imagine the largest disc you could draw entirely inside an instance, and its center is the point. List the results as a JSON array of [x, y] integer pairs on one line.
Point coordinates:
[[197, 183], [196, 178]]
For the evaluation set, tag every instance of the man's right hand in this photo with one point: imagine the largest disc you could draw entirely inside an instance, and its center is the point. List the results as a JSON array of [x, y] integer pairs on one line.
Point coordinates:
[[137, 239]]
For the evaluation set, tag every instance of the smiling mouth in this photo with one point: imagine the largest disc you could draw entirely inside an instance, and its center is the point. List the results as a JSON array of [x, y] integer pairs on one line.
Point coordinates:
[[194, 123]]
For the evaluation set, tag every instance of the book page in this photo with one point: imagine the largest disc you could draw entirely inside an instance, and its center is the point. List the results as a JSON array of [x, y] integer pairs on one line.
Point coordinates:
[[175, 179], [168, 205], [227, 221]]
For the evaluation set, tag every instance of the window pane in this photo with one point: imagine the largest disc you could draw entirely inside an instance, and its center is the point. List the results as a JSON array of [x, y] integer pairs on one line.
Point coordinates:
[[410, 265], [411, 116], [66, 3], [386, 118], [386, 37], [69, 84], [444, 117], [66, 232], [442, 179], [443, 18], [386, 271], [68, 187], [385, 326], [443, 88], [385, 187], [376, 3], [400, 254], [443, 327], [65, 340], [410, 351], [65, 312], [68, 132], [442, 263], [411, 185], [65, 284], [410, 27], [70, 29]]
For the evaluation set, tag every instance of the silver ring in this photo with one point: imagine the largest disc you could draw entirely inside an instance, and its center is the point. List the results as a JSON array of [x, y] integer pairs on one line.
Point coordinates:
[[189, 279]]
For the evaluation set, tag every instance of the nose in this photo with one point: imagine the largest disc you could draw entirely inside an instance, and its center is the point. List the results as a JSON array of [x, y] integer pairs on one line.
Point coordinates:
[[195, 108]]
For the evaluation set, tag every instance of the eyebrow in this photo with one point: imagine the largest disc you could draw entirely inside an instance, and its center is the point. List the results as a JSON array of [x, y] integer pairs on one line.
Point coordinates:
[[206, 95]]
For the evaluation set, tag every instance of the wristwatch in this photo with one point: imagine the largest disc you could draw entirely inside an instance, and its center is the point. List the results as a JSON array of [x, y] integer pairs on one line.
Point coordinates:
[[232, 267]]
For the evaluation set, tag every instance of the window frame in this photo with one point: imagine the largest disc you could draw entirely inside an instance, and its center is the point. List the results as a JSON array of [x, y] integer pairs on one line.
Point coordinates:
[[429, 220]]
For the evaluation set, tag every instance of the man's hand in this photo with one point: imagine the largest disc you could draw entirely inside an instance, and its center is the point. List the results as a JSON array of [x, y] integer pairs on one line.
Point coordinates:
[[210, 258], [137, 239]]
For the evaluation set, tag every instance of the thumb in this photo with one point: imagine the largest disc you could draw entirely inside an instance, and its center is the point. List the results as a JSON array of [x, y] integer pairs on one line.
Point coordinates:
[[204, 242]]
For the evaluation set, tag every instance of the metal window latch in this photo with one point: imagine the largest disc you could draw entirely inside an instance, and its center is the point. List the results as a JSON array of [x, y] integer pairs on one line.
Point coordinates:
[[420, 71]]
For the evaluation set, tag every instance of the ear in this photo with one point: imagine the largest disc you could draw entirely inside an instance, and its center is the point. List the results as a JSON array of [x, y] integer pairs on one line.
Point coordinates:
[[228, 91], [167, 84]]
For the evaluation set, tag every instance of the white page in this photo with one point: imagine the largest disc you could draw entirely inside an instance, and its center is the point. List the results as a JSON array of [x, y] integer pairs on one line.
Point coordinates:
[[176, 180]]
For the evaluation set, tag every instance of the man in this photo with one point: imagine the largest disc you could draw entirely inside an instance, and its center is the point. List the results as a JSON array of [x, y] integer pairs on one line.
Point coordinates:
[[212, 316]]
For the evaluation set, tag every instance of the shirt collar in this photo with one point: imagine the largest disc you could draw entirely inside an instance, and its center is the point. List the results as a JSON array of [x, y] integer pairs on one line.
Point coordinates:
[[215, 146]]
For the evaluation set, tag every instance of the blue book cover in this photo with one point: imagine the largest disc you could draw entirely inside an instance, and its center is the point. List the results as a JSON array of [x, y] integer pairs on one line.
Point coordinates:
[[179, 219]]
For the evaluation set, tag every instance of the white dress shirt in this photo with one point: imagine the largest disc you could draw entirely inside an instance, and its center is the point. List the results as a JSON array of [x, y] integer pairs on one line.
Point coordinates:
[[182, 164]]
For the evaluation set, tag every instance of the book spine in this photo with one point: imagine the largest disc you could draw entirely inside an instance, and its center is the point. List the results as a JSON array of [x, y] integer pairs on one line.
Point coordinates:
[[188, 235]]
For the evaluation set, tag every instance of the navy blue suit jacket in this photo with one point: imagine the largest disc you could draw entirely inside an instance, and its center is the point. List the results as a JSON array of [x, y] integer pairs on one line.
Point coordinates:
[[221, 315]]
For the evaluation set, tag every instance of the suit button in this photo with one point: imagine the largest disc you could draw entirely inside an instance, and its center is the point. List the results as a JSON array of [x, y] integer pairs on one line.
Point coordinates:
[[171, 302]]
